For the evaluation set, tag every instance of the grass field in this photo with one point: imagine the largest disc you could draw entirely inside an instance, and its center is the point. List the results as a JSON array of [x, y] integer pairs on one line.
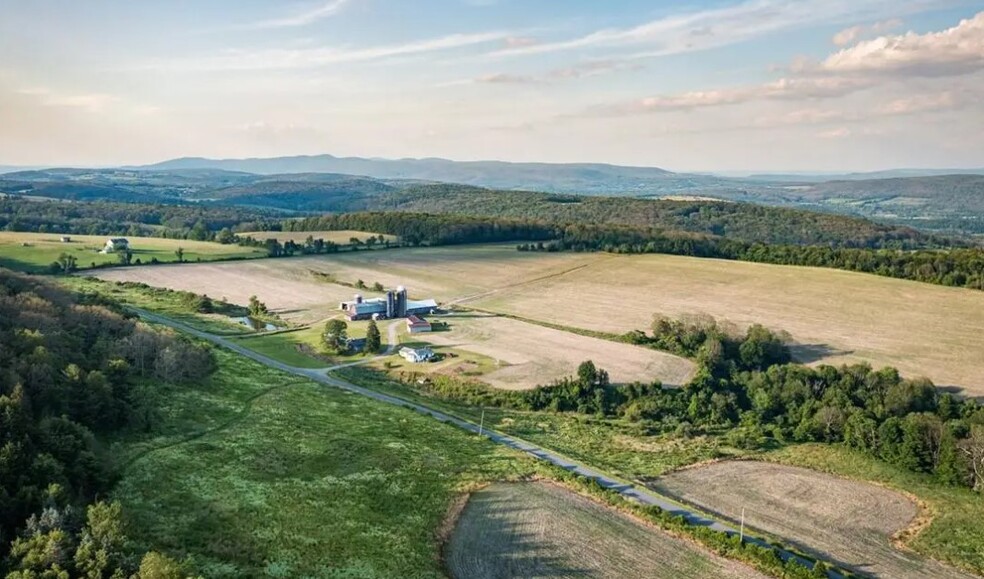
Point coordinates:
[[42, 249], [543, 530], [835, 316], [302, 348], [339, 237], [255, 473], [851, 523]]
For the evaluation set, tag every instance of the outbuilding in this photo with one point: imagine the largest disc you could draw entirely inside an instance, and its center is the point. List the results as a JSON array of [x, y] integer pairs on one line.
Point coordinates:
[[416, 355], [417, 325]]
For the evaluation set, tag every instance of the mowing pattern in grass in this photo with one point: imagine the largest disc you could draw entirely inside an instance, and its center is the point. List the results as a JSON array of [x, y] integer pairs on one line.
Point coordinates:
[[34, 252], [956, 535], [844, 521], [543, 530], [286, 478]]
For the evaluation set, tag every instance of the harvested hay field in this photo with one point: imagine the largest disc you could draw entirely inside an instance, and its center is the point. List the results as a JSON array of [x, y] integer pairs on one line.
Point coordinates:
[[534, 355], [845, 521], [543, 530], [835, 316]]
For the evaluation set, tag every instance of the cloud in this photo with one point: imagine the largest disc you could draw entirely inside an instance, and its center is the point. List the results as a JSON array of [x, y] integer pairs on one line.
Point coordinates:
[[520, 41], [855, 33], [93, 102], [956, 50], [722, 26], [573, 72], [302, 19], [921, 103], [282, 59], [838, 133]]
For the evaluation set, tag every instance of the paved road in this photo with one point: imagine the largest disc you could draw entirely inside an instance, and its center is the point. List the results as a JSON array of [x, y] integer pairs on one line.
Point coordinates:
[[323, 376]]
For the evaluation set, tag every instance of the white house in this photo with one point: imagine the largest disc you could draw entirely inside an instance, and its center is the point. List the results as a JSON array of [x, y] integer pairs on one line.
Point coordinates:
[[116, 244], [416, 355]]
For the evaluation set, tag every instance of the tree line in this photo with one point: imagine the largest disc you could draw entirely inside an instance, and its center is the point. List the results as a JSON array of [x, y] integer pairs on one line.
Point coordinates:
[[74, 370], [747, 388]]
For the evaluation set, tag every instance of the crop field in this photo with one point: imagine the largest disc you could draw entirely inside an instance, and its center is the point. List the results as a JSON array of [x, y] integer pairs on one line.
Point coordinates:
[[339, 237], [533, 355], [257, 473], [849, 522], [834, 316], [36, 251], [543, 530], [955, 534]]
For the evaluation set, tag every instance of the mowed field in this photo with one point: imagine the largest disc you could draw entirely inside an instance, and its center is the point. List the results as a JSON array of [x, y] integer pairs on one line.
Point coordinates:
[[543, 530], [343, 237], [835, 316], [533, 355], [42, 249], [846, 521]]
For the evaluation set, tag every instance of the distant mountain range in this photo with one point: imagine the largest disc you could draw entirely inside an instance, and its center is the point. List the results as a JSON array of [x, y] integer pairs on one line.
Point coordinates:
[[952, 203]]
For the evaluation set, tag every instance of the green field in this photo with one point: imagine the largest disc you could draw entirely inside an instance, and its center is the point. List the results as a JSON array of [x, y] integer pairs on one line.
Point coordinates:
[[35, 252], [255, 473], [169, 303]]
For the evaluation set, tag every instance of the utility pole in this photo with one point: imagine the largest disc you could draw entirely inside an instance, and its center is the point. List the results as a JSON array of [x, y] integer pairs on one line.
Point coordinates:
[[741, 534], [481, 425]]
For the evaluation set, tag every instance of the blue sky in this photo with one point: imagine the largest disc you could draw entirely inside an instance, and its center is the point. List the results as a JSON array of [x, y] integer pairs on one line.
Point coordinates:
[[728, 85]]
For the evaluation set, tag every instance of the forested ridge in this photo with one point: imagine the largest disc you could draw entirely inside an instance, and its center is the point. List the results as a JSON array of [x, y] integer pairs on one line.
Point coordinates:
[[74, 372]]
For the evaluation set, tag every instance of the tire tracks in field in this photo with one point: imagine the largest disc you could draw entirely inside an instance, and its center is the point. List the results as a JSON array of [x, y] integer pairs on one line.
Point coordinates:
[[525, 282], [241, 415]]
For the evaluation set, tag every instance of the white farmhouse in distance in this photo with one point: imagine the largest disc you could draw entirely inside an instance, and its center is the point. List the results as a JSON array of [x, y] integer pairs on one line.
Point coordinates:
[[116, 244], [416, 355]]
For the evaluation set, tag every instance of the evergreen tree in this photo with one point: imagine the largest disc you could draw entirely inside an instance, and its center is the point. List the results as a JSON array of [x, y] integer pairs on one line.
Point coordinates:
[[373, 338]]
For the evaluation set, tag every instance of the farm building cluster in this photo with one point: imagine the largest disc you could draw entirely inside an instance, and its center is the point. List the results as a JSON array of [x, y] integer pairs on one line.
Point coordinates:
[[394, 305]]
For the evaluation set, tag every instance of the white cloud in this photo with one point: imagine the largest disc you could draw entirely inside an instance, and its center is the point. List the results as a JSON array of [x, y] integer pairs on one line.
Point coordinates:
[[299, 58], [326, 10], [956, 50], [94, 102], [722, 26], [838, 133], [855, 33], [920, 104]]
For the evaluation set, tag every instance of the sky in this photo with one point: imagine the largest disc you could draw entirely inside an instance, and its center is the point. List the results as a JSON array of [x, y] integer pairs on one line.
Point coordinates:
[[723, 85]]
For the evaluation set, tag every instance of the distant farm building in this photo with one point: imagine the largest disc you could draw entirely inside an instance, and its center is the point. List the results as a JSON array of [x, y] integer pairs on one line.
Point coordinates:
[[417, 325], [116, 244], [66, 239], [394, 305], [416, 355]]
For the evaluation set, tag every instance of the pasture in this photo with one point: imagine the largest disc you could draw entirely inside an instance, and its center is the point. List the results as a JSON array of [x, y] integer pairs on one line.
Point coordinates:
[[834, 316], [257, 473], [851, 523], [35, 252], [543, 530], [340, 237]]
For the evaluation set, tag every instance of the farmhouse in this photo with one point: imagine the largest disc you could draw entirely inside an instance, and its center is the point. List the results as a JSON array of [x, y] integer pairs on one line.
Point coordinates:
[[416, 355], [417, 325], [66, 239], [116, 244], [395, 304]]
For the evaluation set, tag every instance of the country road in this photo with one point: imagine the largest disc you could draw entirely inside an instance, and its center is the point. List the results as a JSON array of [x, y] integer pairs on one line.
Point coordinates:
[[629, 491]]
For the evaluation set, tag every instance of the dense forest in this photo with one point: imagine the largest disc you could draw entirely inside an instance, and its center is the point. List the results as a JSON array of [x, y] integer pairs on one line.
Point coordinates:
[[747, 390], [74, 371]]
